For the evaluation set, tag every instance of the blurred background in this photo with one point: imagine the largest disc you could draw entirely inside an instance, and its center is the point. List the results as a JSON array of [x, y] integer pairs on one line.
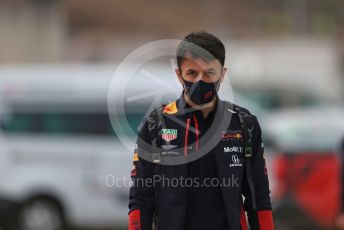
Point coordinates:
[[59, 155]]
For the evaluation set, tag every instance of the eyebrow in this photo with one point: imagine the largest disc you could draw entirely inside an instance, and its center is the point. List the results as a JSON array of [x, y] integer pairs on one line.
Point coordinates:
[[211, 69]]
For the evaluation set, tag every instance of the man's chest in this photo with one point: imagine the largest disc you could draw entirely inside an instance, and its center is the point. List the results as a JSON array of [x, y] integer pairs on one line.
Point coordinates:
[[191, 140]]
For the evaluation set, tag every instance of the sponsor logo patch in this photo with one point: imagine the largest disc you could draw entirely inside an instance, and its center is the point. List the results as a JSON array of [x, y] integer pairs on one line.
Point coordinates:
[[168, 147], [168, 134], [232, 149], [136, 157], [235, 161], [133, 171], [171, 153], [171, 108], [231, 135]]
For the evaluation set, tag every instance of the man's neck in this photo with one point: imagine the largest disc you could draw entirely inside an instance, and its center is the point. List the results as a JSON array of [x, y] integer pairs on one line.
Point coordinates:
[[205, 109]]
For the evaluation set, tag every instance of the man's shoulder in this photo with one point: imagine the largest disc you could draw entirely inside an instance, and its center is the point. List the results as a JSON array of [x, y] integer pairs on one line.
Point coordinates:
[[163, 108], [240, 111], [150, 120], [238, 108]]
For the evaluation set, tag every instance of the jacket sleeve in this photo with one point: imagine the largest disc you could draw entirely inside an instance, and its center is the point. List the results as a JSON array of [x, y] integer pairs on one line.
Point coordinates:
[[261, 219], [141, 194]]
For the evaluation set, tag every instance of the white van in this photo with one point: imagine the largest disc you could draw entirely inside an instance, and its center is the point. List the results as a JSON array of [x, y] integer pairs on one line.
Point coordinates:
[[59, 156]]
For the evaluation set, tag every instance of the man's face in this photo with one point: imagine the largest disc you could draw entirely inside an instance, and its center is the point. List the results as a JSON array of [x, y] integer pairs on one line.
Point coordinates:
[[195, 69]]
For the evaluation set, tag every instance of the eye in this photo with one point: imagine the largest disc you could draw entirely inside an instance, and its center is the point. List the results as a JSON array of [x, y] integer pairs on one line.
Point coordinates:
[[192, 73], [211, 73]]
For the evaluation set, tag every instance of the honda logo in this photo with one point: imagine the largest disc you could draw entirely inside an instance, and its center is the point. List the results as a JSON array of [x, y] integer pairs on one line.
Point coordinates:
[[235, 159]]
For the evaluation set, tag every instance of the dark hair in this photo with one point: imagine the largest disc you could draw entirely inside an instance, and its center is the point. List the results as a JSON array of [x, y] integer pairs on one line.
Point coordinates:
[[201, 45]]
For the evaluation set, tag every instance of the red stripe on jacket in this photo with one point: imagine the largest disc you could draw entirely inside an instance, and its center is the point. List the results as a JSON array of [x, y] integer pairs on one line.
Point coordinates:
[[135, 220]]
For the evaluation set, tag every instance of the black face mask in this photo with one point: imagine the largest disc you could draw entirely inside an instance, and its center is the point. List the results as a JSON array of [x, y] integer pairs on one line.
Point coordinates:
[[201, 92]]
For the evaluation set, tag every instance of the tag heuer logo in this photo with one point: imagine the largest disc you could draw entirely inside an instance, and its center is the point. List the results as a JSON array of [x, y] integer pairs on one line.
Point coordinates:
[[168, 134]]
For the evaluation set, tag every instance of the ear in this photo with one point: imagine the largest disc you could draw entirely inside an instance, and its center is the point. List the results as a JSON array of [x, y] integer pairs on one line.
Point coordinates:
[[223, 74], [179, 75]]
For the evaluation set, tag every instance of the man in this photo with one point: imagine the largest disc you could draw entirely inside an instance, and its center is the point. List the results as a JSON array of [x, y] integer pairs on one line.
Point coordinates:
[[222, 140]]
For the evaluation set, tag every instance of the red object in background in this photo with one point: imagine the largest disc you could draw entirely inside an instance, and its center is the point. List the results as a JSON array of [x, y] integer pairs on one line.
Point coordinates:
[[314, 181]]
